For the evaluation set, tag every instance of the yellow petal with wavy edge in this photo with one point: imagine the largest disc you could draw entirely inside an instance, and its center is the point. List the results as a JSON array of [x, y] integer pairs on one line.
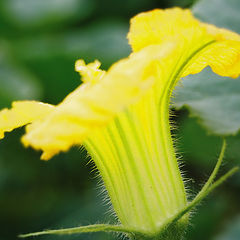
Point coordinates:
[[158, 26], [220, 34], [94, 103], [90, 72], [22, 113], [184, 46], [223, 57]]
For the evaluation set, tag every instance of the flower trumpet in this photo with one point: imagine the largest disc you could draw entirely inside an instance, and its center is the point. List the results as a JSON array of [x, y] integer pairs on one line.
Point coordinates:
[[122, 118]]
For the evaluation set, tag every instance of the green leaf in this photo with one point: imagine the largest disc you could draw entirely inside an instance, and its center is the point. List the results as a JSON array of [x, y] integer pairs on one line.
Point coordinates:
[[223, 13], [104, 40], [212, 99], [16, 82], [29, 13], [193, 146], [182, 3], [232, 231]]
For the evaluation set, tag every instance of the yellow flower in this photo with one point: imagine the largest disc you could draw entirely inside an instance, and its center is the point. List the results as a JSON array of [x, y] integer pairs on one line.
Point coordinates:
[[122, 116]]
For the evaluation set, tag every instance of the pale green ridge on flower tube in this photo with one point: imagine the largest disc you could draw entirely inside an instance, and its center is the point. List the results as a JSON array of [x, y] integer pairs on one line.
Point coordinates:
[[121, 116]]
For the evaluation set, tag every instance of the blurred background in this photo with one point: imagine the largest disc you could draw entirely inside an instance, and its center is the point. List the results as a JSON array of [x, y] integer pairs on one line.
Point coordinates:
[[39, 42]]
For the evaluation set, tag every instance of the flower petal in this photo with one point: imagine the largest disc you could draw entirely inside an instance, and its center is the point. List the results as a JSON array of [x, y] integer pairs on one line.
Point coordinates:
[[22, 113], [91, 106], [168, 45], [158, 26], [223, 57]]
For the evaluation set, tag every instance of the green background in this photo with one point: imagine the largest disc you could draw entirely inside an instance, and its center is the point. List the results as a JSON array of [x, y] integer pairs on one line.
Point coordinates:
[[39, 42]]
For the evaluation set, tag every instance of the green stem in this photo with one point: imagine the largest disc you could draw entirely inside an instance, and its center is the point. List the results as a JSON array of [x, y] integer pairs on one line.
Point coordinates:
[[215, 171], [200, 197], [82, 229]]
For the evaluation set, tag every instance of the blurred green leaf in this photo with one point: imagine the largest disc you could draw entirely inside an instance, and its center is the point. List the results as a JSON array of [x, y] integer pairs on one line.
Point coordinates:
[[181, 3], [199, 149], [88, 209], [233, 153], [105, 40], [232, 231], [211, 98], [35, 13], [16, 82], [223, 13], [45, 191], [208, 217]]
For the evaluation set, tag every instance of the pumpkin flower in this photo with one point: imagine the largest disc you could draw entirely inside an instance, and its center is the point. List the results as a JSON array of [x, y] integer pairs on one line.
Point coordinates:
[[121, 116]]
